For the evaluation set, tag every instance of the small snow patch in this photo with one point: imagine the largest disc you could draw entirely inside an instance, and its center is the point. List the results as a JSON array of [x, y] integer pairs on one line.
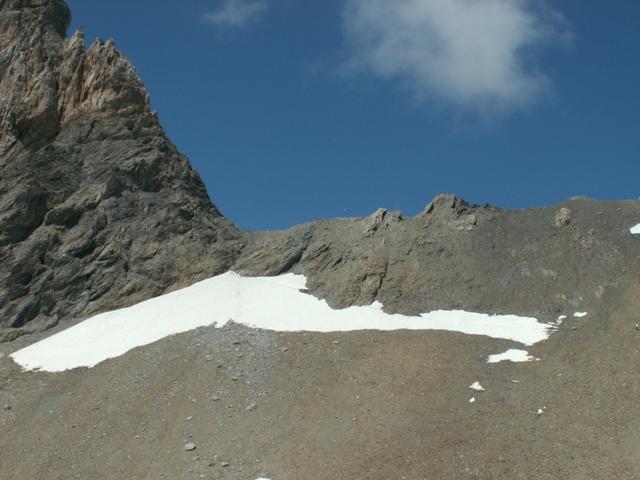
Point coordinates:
[[511, 355], [472, 399], [477, 387], [580, 314], [635, 230]]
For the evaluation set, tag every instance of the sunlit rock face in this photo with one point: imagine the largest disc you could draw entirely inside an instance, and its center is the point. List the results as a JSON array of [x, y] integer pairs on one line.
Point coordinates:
[[98, 209]]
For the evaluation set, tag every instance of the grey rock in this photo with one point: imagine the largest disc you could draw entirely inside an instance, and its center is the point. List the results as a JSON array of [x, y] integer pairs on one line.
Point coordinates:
[[465, 222], [189, 446], [380, 219], [562, 217], [98, 209]]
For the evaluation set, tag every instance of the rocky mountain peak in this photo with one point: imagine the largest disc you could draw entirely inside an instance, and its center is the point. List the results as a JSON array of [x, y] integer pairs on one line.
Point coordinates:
[[98, 209], [47, 79], [445, 202], [100, 80]]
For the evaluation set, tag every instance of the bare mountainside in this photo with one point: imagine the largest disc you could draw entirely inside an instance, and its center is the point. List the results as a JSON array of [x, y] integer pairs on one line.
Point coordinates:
[[98, 210]]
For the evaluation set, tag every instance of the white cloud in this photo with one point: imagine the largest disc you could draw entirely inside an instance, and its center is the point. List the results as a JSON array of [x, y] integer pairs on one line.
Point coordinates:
[[471, 53], [236, 13]]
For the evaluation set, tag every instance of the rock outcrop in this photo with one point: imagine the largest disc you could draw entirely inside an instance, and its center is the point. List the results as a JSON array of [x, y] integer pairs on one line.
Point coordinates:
[[98, 209], [454, 255]]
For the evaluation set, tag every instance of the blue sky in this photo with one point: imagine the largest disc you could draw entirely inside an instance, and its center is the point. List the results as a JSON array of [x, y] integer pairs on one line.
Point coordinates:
[[293, 111]]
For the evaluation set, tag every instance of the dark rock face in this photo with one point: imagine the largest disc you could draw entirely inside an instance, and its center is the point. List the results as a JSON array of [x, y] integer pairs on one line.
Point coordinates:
[[98, 209]]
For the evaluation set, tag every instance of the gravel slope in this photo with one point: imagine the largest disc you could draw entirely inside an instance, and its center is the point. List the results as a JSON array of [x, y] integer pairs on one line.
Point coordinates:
[[358, 405]]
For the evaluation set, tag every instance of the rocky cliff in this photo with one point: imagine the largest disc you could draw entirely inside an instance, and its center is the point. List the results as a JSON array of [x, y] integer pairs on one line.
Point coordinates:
[[98, 209]]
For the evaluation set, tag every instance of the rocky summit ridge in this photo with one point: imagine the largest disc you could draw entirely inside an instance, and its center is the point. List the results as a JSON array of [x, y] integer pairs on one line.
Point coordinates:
[[99, 210]]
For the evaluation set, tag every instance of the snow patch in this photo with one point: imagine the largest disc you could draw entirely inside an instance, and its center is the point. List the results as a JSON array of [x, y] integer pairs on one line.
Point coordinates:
[[477, 387], [580, 314], [511, 355], [635, 230], [271, 303], [472, 399]]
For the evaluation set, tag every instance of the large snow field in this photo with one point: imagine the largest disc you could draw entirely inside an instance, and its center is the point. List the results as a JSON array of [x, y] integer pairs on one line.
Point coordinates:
[[272, 303]]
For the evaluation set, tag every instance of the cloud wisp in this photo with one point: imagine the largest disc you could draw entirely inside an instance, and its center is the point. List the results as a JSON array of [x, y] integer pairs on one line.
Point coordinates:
[[236, 13], [472, 54]]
